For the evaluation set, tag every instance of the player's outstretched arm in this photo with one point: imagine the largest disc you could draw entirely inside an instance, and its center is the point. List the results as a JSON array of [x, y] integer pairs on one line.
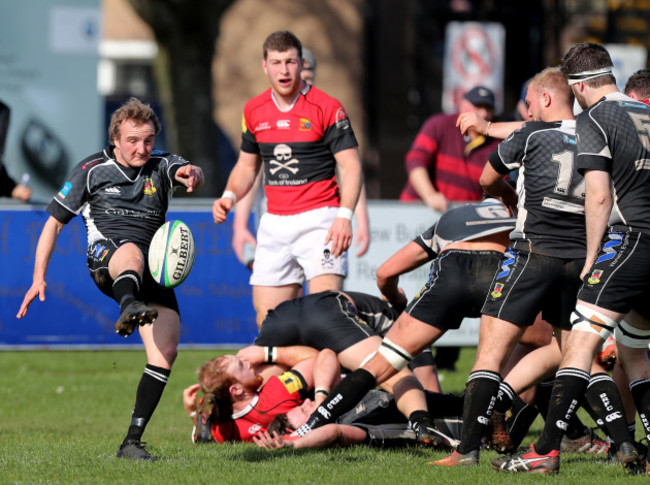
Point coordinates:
[[190, 176], [44, 250], [327, 436]]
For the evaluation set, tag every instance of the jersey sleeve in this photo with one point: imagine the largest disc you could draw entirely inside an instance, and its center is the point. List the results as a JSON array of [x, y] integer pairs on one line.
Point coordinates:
[[69, 201], [338, 135], [427, 241], [592, 147], [174, 162], [248, 141], [509, 154]]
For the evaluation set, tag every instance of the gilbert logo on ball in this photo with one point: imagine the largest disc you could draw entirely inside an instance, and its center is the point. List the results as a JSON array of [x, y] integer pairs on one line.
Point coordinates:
[[171, 254]]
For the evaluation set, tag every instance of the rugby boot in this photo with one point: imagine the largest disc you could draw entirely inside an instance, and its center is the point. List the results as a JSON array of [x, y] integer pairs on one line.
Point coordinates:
[[629, 458], [204, 409], [134, 450], [135, 314], [587, 443], [458, 459], [499, 439], [529, 461]]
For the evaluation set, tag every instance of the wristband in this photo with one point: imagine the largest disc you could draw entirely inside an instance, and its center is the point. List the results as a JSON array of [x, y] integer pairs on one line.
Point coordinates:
[[345, 213], [487, 128], [270, 355], [193, 414], [321, 390], [231, 195]]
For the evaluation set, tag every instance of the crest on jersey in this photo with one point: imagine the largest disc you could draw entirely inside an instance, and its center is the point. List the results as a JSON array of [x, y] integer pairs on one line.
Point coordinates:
[[498, 290], [305, 124], [149, 188], [594, 279]]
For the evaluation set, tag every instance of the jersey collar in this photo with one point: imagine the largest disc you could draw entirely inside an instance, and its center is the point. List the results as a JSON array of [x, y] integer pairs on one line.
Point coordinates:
[[247, 409]]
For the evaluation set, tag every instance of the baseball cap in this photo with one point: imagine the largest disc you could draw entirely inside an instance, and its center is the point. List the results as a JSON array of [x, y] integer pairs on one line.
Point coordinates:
[[480, 96]]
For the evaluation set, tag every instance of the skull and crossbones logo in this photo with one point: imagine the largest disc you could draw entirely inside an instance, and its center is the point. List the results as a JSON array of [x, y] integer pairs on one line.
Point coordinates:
[[282, 154]]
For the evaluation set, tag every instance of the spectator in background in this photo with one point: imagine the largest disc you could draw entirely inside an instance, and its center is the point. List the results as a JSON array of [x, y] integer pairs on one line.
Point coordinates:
[[443, 165], [8, 186]]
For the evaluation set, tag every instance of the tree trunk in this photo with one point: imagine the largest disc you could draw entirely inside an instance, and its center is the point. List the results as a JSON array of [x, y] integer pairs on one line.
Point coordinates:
[[186, 32]]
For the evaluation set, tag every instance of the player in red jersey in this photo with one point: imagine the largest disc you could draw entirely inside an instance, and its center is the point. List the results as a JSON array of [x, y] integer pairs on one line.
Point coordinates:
[[240, 408], [301, 135]]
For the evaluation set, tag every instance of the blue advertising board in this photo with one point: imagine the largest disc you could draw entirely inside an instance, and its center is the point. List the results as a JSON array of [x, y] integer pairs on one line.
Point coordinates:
[[215, 300]]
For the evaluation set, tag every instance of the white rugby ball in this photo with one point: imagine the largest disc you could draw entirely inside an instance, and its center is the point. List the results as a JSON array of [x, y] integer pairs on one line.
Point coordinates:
[[171, 254]]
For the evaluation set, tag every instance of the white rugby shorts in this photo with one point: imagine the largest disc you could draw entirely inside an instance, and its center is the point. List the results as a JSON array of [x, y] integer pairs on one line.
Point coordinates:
[[291, 249]]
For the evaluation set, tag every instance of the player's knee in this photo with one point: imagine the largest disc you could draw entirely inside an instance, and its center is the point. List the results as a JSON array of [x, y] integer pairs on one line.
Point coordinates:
[[636, 338], [394, 354], [592, 321]]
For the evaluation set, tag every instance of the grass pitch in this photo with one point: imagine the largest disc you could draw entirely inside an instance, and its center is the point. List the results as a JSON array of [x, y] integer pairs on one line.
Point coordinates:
[[63, 415]]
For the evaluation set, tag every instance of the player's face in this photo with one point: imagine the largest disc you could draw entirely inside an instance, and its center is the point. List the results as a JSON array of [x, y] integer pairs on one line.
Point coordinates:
[[300, 414], [243, 374], [533, 101], [134, 144], [283, 70]]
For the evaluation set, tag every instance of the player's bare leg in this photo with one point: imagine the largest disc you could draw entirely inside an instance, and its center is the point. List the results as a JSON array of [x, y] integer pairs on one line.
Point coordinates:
[[266, 298]]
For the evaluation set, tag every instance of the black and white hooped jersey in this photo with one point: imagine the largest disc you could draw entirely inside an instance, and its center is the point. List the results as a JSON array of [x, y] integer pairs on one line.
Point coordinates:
[[614, 136], [466, 223], [118, 202], [551, 191]]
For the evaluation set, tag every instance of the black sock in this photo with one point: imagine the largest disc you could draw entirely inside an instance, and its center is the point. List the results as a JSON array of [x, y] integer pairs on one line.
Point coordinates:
[[568, 391], [345, 395], [505, 396], [605, 401], [641, 395], [523, 416], [126, 288], [152, 384], [480, 397], [543, 395]]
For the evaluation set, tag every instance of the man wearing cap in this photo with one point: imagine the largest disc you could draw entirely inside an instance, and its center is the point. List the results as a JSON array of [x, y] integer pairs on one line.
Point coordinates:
[[612, 153], [444, 165]]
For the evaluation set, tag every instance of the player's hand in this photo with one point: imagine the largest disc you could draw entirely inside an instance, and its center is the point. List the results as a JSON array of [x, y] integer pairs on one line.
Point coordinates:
[[471, 121], [253, 354], [189, 398], [239, 239], [271, 442], [37, 289], [398, 300], [437, 202], [362, 239], [220, 209], [340, 234], [191, 176]]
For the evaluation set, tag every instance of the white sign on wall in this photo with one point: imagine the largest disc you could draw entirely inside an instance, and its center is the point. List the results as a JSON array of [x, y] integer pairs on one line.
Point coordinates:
[[474, 55]]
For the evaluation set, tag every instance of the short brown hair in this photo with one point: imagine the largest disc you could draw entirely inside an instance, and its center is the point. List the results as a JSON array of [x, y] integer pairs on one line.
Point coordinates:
[[588, 56], [281, 41], [215, 379], [135, 110], [639, 82]]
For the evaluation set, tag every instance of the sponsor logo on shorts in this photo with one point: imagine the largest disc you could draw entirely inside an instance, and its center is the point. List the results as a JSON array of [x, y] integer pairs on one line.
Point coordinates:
[[497, 292], [64, 191], [328, 260], [506, 263], [609, 248], [594, 279], [149, 188], [99, 252]]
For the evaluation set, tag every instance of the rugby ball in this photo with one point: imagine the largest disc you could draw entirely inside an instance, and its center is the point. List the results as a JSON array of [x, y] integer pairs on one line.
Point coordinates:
[[171, 254]]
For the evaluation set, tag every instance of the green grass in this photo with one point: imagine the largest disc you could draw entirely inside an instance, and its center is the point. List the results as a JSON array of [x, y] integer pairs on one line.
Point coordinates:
[[63, 415]]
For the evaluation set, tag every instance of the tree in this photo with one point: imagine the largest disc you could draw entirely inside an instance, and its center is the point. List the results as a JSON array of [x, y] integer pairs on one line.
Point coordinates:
[[186, 32]]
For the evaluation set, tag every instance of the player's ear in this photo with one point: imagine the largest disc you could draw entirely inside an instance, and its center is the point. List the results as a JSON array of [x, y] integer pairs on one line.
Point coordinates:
[[236, 390]]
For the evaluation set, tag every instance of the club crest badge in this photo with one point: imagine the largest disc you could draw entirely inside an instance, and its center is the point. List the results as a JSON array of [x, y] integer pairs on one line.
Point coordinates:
[[497, 292], [594, 279]]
